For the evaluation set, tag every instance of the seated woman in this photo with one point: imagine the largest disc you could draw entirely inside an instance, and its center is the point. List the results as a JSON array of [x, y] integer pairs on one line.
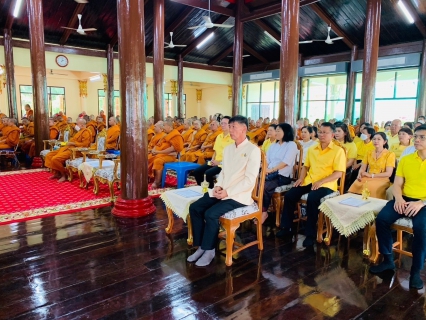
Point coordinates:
[[280, 157], [314, 134], [404, 135], [380, 163], [270, 138], [363, 146], [306, 141], [342, 135]]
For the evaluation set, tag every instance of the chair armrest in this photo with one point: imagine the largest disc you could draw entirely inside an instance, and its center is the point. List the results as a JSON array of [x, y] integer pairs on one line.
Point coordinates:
[[116, 164]]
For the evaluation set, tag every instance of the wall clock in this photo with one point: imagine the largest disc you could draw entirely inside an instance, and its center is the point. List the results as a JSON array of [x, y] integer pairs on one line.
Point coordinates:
[[61, 60]]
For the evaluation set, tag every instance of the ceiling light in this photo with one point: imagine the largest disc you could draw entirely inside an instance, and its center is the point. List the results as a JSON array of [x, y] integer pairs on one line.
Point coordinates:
[[202, 43], [272, 38], [95, 78], [407, 13], [17, 8]]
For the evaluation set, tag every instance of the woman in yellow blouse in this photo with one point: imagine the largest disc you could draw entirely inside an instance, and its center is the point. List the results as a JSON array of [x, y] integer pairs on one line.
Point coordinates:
[[404, 135], [342, 134], [376, 169], [270, 138], [362, 146]]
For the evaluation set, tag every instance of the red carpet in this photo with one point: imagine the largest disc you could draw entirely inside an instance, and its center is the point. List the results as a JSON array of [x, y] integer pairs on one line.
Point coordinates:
[[28, 194]]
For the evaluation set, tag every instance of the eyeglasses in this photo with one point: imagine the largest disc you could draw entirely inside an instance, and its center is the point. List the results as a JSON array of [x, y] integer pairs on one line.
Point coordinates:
[[421, 137]]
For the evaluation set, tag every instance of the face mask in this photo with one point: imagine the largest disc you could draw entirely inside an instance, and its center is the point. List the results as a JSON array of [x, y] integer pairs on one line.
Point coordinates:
[[77, 128], [363, 137], [421, 121]]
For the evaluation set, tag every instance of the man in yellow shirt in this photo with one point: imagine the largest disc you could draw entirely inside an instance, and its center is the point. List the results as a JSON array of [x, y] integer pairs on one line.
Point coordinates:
[[409, 191], [393, 134], [323, 166], [214, 167]]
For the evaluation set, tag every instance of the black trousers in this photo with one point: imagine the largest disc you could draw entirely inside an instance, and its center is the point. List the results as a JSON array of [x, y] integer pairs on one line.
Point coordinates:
[[205, 214], [290, 202], [209, 171], [269, 189], [387, 217]]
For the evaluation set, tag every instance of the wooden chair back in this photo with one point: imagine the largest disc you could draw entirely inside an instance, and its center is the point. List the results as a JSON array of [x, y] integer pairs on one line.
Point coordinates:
[[298, 164], [257, 193]]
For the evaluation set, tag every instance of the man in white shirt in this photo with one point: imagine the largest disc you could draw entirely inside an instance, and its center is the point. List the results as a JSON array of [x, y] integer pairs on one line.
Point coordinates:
[[240, 168]]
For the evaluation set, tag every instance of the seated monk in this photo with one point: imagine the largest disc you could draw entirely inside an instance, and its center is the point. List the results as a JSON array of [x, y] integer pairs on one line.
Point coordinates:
[[28, 111], [258, 134], [266, 123], [180, 127], [53, 135], [92, 126], [198, 137], [187, 132], [60, 123], [151, 132], [164, 151], [55, 160], [151, 123], [100, 124], [11, 134], [2, 115], [159, 134], [206, 151], [204, 124], [28, 135], [252, 125], [103, 116], [113, 134], [61, 114], [3, 125]]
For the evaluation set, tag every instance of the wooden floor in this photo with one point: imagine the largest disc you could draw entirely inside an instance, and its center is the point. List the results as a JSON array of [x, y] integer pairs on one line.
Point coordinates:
[[89, 265]]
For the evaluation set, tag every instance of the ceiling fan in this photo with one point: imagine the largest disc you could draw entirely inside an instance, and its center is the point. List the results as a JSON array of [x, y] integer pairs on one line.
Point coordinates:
[[328, 40], [81, 1], [209, 24], [244, 56], [171, 45], [80, 29]]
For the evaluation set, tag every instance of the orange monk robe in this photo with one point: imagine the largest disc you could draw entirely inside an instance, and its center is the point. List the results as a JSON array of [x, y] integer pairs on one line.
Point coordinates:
[[92, 125], [112, 137], [351, 131], [30, 113], [156, 162], [103, 116], [265, 126], [197, 141], [61, 125], [206, 127], [376, 128], [27, 141], [55, 160], [64, 118], [180, 128], [53, 135], [187, 136], [2, 115], [152, 127], [200, 156], [151, 134], [11, 136], [257, 136], [155, 140], [100, 126], [252, 127]]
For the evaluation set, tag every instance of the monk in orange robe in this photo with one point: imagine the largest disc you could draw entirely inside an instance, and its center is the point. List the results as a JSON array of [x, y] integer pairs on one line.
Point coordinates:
[[198, 138], [103, 116], [204, 125], [180, 127], [92, 125], [258, 134], [55, 160], [61, 114], [60, 123], [266, 123], [252, 125], [3, 125], [28, 135], [2, 115], [100, 124], [206, 151], [29, 111], [11, 134], [53, 135], [158, 135], [151, 123], [165, 151], [187, 132], [113, 134]]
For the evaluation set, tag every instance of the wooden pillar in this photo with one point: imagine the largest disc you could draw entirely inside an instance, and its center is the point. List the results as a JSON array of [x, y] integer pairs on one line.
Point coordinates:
[[133, 200], [299, 88], [180, 103], [289, 55], [421, 105], [158, 63], [350, 86], [237, 74], [371, 57], [38, 71], [10, 75], [110, 79]]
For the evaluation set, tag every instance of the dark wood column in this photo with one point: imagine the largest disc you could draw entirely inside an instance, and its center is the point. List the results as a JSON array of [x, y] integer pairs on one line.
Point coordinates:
[[237, 74], [371, 57], [10, 75], [299, 88], [421, 105], [350, 86], [38, 70], [180, 104], [133, 200], [289, 56], [110, 78], [158, 63]]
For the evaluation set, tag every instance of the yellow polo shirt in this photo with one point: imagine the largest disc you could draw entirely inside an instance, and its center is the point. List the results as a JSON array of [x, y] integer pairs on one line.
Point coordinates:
[[266, 144], [392, 139], [413, 169], [221, 142], [322, 163], [398, 149], [363, 148], [351, 150]]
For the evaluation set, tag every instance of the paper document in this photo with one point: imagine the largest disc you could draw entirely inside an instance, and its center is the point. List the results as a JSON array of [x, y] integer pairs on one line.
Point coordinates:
[[185, 193], [353, 202]]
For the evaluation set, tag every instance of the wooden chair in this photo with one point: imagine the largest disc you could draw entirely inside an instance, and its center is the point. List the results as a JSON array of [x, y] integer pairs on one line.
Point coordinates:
[[108, 176], [278, 196], [231, 220], [50, 145]]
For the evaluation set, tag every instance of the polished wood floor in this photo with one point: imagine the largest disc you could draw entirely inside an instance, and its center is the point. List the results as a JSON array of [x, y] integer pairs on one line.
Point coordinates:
[[89, 265]]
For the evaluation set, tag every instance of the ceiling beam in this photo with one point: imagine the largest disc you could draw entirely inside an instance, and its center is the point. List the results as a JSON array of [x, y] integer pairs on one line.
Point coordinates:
[[417, 20], [221, 55], [203, 36], [173, 26], [329, 20], [254, 53], [205, 6], [72, 23], [268, 29], [270, 10], [10, 17]]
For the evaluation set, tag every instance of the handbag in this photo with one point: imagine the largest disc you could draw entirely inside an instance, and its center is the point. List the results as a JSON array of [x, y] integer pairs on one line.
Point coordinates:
[[271, 176]]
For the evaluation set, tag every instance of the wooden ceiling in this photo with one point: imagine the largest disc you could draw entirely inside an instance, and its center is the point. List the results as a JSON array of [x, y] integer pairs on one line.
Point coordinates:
[[346, 17]]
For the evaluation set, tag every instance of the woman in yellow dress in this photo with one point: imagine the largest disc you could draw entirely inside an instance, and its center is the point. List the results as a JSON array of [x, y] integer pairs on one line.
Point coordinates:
[[343, 135], [363, 146], [376, 169], [404, 135]]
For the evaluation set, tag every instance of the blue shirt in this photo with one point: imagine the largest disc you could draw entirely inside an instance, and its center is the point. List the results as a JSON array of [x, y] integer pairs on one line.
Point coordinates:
[[286, 153]]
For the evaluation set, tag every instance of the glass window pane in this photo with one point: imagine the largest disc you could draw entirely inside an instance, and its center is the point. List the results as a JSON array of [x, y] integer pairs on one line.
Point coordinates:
[[337, 87], [253, 110], [101, 93], [317, 88], [57, 90], [116, 93], [390, 109], [277, 90], [407, 83], [26, 98], [335, 109], [303, 108], [304, 92], [385, 84], [357, 111], [26, 89], [253, 92], [268, 92], [267, 110], [316, 110], [276, 110]]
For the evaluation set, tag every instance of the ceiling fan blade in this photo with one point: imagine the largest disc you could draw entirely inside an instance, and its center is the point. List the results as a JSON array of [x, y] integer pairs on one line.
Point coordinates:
[[166, 43], [307, 41], [207, 19], [223, 25], [68, 28], [90, 29], [180, 45], [195, 27], [337, 38]]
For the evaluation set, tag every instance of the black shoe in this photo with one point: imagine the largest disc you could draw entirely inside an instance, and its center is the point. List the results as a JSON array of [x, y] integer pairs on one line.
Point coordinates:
[[308, 242], [416, 282], [284, 233], [382, 267]]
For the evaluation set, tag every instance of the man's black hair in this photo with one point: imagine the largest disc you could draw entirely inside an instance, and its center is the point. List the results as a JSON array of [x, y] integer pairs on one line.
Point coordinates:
[[422, 127], [239, 119], [330, 125]]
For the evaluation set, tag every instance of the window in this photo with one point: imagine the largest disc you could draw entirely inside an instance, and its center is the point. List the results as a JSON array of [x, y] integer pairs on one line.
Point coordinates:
[[323, 97], [103, 103], [55, 98], [169, 108], [396, 95], [262, 100]]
